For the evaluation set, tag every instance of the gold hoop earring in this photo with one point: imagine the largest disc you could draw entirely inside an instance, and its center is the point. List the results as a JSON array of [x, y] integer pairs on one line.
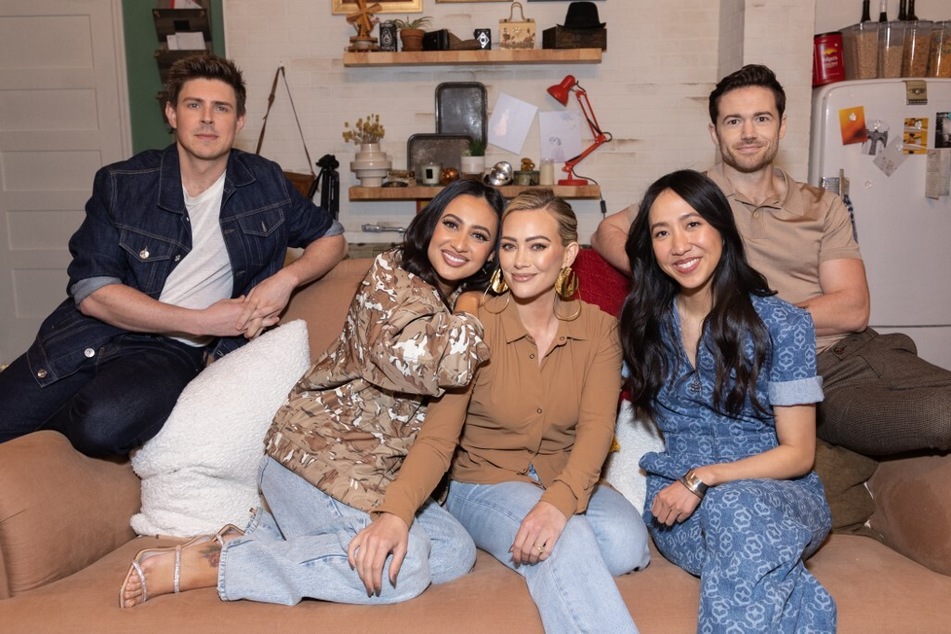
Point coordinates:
[[497, 282], [566, 285], [573, 316], [495, 297]]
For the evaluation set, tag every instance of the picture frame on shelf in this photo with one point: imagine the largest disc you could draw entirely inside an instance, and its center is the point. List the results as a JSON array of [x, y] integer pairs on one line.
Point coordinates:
[[346, 7], [447, 1]]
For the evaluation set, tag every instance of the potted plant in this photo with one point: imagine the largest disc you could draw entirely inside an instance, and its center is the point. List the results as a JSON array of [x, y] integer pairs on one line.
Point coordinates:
[[370, 164], [411, 32], [472, 162]]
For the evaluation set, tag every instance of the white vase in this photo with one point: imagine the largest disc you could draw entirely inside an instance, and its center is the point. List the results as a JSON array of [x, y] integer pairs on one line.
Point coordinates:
[[371, 165], [472, 165]]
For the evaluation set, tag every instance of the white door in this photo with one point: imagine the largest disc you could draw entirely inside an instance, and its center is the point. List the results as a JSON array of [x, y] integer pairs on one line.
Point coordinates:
[[63, 114]]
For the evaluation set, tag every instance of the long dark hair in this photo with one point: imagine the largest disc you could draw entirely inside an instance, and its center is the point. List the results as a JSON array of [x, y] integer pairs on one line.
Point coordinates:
[[732, 321], [415, 246]]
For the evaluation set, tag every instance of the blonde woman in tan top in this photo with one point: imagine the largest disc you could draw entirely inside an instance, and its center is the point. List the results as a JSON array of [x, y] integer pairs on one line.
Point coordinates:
[[535, 425]]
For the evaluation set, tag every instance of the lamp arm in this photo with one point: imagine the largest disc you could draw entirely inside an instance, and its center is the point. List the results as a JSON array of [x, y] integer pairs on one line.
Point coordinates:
[[600, 138]]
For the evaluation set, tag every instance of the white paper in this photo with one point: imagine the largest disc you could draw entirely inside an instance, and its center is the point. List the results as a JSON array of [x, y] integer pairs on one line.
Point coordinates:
[[938, 176], [191, 41], [510, 122], [560, 134]]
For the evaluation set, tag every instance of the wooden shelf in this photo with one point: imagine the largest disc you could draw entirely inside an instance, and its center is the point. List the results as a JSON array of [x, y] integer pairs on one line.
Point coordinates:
[[506, 56], [420, 192]]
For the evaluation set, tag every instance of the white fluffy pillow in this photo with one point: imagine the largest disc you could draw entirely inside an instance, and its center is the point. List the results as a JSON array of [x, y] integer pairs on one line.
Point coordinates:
[[636, 437], [200, 471]]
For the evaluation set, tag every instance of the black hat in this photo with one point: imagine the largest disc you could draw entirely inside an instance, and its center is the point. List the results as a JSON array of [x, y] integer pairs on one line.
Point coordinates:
[[582, 15]]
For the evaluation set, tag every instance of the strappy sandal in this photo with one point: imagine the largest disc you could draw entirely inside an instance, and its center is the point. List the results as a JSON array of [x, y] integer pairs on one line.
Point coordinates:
[[136, 568]]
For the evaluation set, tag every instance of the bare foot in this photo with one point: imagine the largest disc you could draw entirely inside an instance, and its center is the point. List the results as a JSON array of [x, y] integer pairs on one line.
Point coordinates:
[[198, 568]]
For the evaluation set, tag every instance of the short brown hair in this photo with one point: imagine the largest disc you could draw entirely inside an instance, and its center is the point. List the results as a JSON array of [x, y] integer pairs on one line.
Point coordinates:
[[749, 75], [206, 66]]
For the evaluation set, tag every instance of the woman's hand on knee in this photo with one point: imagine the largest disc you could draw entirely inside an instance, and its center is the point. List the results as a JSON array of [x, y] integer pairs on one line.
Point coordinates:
[[367, 552], [538, 533], [674, 503]]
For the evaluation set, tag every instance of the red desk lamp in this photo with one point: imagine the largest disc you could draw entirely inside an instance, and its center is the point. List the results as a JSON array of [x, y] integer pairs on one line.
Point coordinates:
[[561, 92]]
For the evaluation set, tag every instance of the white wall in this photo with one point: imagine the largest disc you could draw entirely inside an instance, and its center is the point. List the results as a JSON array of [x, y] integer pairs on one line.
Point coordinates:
[[650, 91]]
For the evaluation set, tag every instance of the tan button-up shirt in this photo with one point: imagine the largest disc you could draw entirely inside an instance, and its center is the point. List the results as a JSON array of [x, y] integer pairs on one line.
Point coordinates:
[[557, 416]]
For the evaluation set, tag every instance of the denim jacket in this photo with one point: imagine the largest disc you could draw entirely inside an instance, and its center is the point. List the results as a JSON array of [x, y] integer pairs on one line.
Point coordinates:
[[136, 231]]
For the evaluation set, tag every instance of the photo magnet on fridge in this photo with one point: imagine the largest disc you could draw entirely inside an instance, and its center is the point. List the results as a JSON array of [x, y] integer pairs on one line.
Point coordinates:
[[852, 123]]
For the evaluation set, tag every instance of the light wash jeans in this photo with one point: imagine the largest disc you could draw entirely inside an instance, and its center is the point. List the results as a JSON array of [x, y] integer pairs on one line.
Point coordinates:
[[573, 589], [299, 549]]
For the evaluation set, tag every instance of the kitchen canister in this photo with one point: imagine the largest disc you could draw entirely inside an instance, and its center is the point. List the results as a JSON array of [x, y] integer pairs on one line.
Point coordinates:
[[827, 62]]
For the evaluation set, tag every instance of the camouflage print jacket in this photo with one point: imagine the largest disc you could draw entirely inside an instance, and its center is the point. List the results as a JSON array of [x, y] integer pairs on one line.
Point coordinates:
[[349, 422]]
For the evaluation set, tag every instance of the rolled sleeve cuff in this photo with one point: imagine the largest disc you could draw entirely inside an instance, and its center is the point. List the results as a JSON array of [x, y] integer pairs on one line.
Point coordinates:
[[797, 392], [335, 229], [86, 287]]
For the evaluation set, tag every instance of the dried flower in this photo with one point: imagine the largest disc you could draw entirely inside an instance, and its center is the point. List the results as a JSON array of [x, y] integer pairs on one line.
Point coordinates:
[[364, 131]]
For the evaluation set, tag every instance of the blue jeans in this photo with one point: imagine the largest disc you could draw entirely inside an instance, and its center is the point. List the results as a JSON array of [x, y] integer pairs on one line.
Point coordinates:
[[573, 589], [118, 399], [299, 549]]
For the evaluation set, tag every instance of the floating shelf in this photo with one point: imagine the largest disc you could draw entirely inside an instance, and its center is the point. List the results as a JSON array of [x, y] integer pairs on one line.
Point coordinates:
[[420, 192], [500, 56]]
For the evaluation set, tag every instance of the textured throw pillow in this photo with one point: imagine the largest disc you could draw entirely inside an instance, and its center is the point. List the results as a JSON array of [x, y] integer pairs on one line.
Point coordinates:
[[635, 437], [200, 470], [844, 474]]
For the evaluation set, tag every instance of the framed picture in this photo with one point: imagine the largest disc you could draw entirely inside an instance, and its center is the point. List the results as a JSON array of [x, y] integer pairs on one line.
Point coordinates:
[[346, 7], [444, 1]]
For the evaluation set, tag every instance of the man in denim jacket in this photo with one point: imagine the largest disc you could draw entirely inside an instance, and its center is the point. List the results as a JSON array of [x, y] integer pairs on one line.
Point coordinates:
[[179, 259]]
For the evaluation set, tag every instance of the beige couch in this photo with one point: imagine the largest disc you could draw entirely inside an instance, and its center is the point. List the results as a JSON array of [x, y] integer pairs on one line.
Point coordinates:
[[65, 544]]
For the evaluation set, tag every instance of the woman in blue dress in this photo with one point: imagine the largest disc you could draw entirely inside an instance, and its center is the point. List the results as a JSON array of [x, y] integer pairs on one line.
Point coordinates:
[[728, 373]]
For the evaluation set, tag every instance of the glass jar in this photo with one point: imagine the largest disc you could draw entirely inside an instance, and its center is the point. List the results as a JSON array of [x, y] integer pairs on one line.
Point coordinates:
[[891, 45], [939, 60], [860, 49], [914, 62]]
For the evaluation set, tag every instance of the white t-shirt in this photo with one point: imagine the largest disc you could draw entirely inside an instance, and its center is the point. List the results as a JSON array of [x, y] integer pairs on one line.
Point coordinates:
[[204, 276]]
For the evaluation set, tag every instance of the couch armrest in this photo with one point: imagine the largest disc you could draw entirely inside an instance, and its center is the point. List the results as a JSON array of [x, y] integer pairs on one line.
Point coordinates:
[[59, 510], [913, 508]]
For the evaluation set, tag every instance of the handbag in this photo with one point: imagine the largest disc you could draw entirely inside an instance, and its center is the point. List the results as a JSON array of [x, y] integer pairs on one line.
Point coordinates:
[[516, 33], [306, 184]]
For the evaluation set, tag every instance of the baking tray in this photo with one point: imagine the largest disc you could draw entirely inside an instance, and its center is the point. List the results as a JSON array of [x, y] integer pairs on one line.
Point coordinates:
[[442, 149], [461, 109]]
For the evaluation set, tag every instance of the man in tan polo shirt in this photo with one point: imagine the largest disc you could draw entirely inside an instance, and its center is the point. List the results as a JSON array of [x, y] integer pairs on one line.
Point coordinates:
[[880, 397]]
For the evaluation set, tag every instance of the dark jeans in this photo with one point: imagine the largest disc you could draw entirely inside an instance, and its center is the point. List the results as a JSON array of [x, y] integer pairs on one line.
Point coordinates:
[[881, 398], [119, 399]]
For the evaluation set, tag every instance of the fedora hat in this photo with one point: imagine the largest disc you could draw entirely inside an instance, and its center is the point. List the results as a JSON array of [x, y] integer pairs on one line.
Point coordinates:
[[582, 15]]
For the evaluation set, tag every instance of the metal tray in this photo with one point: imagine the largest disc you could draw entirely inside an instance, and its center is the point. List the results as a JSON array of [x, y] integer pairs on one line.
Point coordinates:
[[461, 109], [442, 149]]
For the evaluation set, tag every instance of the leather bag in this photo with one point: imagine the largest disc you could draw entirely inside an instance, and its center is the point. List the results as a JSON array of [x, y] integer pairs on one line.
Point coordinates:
[[306, 184]]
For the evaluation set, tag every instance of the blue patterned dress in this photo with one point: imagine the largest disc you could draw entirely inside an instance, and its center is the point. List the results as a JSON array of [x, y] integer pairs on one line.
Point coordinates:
[[748, 539]]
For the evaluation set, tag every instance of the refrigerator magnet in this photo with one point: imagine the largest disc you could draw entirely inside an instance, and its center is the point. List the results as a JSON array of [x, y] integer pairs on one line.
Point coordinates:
[[915, 135], [942, 130], [852, 124], [889, 159]]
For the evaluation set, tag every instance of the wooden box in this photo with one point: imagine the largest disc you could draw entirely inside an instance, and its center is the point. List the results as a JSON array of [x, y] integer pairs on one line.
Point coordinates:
[[561, 37]]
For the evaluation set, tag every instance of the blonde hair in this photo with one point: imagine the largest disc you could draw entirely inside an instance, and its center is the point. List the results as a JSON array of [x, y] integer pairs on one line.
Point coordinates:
[[546, 200]]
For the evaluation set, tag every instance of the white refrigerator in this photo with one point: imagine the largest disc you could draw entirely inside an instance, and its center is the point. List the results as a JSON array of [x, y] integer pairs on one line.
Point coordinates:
[[904, 235]]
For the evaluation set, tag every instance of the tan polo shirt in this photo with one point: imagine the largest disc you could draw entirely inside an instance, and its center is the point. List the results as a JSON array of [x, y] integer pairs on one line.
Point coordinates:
[[787, 239], [558, 417]]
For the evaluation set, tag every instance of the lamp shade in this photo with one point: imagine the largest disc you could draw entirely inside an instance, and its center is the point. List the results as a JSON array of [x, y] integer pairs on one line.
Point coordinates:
[[562, 91]]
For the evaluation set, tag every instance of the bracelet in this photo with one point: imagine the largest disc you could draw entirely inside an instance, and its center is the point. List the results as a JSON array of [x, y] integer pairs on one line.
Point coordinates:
[[694, 484]]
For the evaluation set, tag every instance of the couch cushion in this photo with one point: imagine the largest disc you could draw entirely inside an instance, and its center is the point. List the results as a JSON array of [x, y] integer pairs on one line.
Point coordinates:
[[59, 511], [877, 590], [200, 470], [913, 508]]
